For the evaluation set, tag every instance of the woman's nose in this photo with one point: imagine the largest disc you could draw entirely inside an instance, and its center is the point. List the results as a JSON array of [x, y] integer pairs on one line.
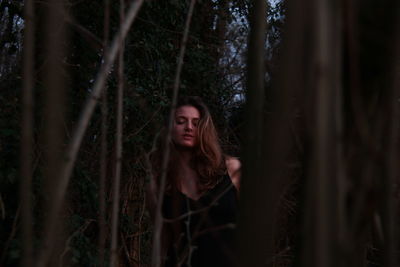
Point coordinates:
[[189, 125]]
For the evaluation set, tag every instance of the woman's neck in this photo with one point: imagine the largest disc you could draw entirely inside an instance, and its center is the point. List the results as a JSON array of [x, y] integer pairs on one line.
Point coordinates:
[[188, 178], [185, 156]]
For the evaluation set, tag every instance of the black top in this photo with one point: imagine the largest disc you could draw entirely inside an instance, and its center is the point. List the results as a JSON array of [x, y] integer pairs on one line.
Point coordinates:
[[201, 231]]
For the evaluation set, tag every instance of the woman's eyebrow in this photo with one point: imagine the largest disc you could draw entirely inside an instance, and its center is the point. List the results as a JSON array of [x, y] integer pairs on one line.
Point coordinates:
[[184, 117]]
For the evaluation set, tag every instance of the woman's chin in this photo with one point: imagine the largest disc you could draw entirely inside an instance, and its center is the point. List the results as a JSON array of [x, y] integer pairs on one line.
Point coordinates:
[[186, 145]]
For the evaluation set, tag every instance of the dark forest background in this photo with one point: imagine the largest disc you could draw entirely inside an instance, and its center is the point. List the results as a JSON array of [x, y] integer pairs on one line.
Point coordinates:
[[318, 136]]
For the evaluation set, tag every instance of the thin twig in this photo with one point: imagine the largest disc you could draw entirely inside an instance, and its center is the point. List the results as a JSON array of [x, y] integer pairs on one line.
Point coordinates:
[[188, 235], [216, 228], [88, 36], [125, 247], [190, 213], [140, 227], [2, 208], [80, 130], [127, 137], [156, 254], [12, 235], [138, 234], [104, 145], [69, 240]]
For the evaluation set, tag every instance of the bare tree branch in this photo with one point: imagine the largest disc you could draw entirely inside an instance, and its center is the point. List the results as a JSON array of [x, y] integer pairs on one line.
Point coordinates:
[[14, 229], [156, 253], [67, 246], [88, 36], [104, 145], [188, 235], [118, 149], [190, 213], [80, 130]]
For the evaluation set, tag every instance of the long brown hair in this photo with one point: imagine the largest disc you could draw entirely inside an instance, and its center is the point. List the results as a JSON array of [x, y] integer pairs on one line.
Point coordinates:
[[207, 159]]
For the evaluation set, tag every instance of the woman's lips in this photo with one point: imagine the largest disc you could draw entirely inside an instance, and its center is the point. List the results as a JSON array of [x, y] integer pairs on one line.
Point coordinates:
[[187, 136]]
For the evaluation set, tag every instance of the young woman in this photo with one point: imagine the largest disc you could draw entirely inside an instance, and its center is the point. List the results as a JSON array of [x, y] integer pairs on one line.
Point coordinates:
[[199, 207]]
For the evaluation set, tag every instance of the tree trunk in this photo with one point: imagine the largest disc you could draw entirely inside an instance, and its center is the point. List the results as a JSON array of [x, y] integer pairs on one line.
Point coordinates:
[[27, 136], [322, 185], [255, 219], [54, 81], [118, 148]]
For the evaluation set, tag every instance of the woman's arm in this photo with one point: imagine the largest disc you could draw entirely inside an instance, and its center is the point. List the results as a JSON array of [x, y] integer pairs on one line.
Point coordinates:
[[234, 170]]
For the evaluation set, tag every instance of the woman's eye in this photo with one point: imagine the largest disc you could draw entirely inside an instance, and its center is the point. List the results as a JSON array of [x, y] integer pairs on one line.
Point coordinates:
[[180, 121]]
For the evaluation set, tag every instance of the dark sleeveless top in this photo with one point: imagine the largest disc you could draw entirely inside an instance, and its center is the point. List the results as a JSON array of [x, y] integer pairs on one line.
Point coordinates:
[[201, 231]]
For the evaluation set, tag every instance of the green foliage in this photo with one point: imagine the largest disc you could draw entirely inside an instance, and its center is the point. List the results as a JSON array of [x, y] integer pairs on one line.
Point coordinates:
[[151, 51], [9, 153], [82, 248]]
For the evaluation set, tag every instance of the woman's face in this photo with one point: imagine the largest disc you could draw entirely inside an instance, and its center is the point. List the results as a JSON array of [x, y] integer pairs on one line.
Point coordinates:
[[184, 132]]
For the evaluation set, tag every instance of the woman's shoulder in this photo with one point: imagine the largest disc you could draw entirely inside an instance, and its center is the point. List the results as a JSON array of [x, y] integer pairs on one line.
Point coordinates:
[[232, 163], [233, 167]]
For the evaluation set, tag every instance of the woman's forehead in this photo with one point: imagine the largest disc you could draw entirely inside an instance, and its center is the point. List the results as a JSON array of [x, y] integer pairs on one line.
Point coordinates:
[[187, 111]]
